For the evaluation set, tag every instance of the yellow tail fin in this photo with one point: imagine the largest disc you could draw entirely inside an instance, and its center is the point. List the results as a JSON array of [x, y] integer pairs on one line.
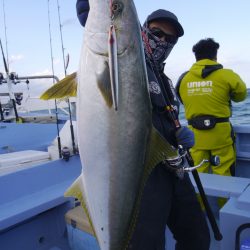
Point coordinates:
[[76, 190]]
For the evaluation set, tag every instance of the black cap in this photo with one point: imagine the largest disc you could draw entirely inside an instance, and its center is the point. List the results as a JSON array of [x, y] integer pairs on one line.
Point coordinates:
[[169, 17]]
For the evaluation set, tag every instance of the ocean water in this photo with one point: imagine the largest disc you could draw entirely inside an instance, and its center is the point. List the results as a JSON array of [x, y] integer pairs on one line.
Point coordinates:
[[240, 112]]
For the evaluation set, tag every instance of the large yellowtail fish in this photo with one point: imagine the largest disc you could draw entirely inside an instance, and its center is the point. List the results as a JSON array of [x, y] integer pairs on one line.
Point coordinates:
[[118, 146]]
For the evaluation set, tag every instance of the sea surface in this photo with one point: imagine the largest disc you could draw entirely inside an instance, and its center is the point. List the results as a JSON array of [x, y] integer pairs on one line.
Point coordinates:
[[240, 112]]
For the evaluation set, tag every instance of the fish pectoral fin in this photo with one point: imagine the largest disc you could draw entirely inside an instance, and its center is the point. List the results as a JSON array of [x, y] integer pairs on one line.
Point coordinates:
[[63, 89], [77, 190], [104, 84]]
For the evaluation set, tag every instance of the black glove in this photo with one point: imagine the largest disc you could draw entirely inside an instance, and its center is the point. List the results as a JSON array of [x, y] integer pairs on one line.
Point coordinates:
[[185, 137]]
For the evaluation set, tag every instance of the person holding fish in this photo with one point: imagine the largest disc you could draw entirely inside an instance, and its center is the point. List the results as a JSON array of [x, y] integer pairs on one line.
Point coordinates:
[[167, 199]]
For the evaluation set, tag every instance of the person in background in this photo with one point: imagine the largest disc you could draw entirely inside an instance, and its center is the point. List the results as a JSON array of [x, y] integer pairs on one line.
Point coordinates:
[[206, 92], [166, 199]]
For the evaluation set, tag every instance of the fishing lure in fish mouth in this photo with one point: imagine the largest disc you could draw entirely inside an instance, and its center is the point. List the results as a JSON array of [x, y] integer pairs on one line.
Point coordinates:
[[113, 65], [116, 8]]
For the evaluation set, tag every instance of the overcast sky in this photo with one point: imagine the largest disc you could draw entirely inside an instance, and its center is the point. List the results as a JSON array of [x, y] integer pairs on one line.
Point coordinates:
[[28, 43]]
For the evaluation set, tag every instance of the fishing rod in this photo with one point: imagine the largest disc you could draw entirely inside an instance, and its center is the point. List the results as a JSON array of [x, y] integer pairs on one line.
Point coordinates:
[[8, 80], [1, 108], [1, 112], [169, 108], [65, 73], [6, 65], [52, 67], [5, 33]]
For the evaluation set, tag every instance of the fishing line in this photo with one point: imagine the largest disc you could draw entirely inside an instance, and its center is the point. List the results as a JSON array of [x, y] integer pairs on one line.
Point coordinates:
[[65, 73], [53, 73]]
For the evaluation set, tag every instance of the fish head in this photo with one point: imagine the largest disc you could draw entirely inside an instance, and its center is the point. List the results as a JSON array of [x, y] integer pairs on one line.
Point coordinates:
[[104, 13]]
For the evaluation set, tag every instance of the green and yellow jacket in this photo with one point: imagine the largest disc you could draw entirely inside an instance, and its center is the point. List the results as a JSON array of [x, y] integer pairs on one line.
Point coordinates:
[[207, 89]]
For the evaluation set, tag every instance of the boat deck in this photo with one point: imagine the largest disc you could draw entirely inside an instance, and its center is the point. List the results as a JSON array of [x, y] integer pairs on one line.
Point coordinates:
[[33, 207]]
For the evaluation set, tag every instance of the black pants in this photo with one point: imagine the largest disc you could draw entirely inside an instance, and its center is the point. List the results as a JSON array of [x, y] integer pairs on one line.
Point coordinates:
[[169, 200]]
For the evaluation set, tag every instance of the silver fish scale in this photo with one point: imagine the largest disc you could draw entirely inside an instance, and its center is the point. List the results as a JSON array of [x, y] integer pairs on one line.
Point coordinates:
[[112, 144]]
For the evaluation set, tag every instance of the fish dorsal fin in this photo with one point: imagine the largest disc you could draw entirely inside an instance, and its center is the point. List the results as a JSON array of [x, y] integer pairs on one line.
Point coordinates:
[[77, 190], [104, 84], [63, 89], [159, 150]]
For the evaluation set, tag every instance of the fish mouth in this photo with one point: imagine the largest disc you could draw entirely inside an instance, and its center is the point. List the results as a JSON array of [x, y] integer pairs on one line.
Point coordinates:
[[97, 52], [101, 48]]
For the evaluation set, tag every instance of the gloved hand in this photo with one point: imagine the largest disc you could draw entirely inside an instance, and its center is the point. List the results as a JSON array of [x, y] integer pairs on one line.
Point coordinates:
[[82, 10], [185, 137]]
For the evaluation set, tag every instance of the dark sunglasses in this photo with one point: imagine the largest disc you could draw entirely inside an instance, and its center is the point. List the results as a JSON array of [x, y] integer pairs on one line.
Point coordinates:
[[161, 34]]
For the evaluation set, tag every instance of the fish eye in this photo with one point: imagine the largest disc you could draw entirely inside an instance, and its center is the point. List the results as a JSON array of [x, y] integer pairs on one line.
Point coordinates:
[[116, 7]]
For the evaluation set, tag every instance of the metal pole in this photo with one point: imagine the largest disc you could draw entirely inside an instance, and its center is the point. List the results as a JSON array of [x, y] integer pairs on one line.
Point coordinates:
[[65, 73], [1, 112]]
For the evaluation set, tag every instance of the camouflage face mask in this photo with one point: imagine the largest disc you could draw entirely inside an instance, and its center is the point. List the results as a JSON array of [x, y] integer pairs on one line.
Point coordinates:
[[160, 49]]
